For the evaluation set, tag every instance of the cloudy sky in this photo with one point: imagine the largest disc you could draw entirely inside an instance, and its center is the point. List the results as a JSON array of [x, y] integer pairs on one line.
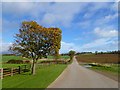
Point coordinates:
[[86, 26]]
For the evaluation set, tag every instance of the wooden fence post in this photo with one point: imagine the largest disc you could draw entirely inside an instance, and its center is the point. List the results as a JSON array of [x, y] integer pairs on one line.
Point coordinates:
[[25, 66], [19, 69], [1, 76], [11, 71]]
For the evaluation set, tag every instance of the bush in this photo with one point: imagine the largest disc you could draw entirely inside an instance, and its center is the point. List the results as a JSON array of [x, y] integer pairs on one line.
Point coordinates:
[[12, 61], [27, 61], [26, 70], [54, 61]]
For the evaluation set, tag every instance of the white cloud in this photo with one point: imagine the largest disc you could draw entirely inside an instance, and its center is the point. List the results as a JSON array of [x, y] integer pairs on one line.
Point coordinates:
[[18, 9], [49, 18], [106, 40], [45, 13], [111, 17], [94, 7], [62, 13], [4, 47], [107, 19], [105, 33], [97, 43], [102, 44], [85, 24], [66, 47], [115, 5], [56, 13], [100, 21], [103, 20]]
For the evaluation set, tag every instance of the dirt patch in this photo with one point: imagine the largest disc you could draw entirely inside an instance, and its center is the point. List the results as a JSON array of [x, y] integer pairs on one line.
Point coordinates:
[[100, 58]]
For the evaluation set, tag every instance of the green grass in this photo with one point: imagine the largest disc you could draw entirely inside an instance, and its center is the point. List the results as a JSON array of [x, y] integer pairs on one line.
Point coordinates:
[[42, 79], [50, 57], [7, 58], [112, 68], [63, 57]]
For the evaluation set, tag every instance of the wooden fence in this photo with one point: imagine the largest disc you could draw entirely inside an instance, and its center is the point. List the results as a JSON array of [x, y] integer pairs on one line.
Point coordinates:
[[12, 71], [25, 68]]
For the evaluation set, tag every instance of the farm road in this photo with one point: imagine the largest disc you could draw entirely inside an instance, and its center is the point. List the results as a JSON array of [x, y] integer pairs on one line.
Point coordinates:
[[76, 76]]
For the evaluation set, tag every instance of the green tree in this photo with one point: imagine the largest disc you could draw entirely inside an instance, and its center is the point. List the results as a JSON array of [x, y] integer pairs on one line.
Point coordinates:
[[96, 52], [56, 38], [71, 54], [35, 41]]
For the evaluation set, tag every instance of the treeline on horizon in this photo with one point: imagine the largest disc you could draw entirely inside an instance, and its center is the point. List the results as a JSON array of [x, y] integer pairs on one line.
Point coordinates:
[[78, 53], [96, 52]]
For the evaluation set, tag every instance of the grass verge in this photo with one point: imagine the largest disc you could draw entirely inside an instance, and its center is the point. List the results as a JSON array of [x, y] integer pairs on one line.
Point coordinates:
[[112, 68]]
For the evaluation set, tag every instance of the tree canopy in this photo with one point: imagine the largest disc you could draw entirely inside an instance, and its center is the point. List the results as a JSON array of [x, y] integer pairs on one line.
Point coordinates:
[[35, 41], [71, 54]]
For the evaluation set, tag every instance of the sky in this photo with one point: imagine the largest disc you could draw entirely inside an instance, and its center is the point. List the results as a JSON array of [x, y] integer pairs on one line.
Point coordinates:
[[86, 26]]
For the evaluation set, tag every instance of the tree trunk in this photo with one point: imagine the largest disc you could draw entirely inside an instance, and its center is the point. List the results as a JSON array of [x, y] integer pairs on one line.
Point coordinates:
[[56, 56], [71, 58], [33, 67]]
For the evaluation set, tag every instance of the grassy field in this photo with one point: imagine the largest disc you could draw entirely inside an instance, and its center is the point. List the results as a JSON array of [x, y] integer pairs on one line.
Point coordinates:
[[111, 68], [65, 57], [7, 58], [100, 58], [44, 77], [62, 57]]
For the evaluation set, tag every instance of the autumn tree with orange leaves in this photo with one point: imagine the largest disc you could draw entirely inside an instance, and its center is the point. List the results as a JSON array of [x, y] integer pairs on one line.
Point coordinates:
[[35, 41]]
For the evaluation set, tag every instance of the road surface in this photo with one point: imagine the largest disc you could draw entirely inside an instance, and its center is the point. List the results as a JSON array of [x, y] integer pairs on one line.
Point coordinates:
[[76, 76]]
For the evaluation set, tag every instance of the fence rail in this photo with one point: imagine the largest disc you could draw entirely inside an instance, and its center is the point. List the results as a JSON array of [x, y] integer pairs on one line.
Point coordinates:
[[12, 71]]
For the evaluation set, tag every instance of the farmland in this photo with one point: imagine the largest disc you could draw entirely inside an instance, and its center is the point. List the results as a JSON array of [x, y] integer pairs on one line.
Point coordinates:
[[100, 58], [7, 58]]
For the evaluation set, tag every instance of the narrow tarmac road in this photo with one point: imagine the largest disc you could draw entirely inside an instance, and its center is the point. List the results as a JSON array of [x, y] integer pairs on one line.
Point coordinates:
[[76, 76]]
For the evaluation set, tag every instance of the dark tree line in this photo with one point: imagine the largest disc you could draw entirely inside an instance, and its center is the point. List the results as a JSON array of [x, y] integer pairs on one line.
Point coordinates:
[[96, 52]]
